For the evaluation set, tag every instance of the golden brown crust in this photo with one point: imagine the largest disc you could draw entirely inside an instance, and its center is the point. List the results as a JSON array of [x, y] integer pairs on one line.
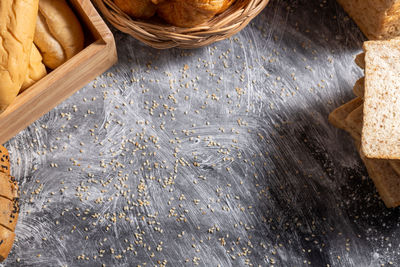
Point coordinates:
[[8, 186], [51, 50], [6, 242], [184, 13], [36, 69], [142, 9], [63, 25], [9, 213], [17, 27]]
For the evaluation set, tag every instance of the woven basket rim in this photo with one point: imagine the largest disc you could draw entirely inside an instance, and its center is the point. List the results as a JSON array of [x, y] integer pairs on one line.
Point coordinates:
[[164, 36]]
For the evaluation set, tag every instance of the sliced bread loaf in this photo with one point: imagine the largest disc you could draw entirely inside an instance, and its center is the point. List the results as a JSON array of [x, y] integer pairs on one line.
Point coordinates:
[[381, 129]]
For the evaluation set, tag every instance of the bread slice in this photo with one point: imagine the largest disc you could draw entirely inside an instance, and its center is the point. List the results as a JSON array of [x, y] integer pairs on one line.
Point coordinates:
[[360, 60], [337, 117], [384, 173], [381, 130], [358, 88], [385, 178], [395, 164], [354, 122], [377, 19]]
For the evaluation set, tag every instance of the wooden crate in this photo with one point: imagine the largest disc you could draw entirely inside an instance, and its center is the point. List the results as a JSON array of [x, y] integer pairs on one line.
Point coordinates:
[[98, 55]]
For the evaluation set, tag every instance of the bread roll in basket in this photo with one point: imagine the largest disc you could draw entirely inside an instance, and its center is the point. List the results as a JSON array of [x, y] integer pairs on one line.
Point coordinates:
[[159, 34]]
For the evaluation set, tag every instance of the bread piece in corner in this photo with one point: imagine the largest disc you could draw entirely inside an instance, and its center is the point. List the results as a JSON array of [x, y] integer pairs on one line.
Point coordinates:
[[380, 136], [384, 176], [377, 19]]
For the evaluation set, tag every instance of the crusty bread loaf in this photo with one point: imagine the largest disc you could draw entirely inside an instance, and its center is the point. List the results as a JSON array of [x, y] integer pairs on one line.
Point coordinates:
[[17, 27], [36, 69], [59, 35], [377, 19], [381, 128]]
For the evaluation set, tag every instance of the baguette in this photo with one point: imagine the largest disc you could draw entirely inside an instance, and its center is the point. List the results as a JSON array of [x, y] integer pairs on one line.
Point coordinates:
[[17, 27], [59, 35], [36, 69]]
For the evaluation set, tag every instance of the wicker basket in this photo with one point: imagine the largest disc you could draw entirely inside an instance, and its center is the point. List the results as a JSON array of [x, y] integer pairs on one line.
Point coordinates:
[[160, 35]]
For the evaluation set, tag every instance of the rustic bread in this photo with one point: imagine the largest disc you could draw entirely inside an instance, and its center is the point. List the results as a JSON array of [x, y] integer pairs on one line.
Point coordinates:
[[377, 19], [381, 130], [17, 27]]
